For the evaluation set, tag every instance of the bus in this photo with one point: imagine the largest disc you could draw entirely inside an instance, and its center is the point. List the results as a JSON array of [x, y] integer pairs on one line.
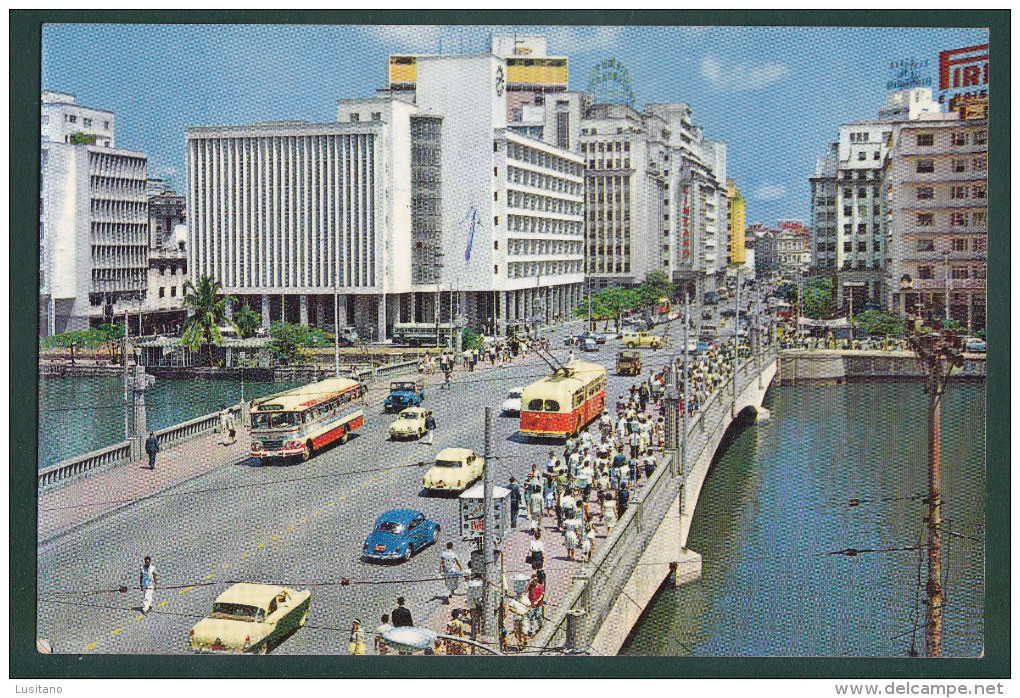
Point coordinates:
[[301, 421], [562, 404]]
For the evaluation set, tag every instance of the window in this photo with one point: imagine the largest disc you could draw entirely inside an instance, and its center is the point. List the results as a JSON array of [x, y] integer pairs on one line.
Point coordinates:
[[862, 155], [848, 246], [926, 245], [925, 192], [876, 155], [173, 291], [87, 123], [980, 191], [106, 125], [162, 291], [72, 118], [848, 211], [958, 219], [958, 138], [862, 246], [959, 165], [848, 193], [495, 220], [979, 164], [959, 245], [926, 272], [925, 165], [959, 273], [355, 117], [958, 191], [862, 228], [495, 269], [876, 210], [980, 137], [377, 116], [926, 219], [979, 217], [979, 271], [925, 139]]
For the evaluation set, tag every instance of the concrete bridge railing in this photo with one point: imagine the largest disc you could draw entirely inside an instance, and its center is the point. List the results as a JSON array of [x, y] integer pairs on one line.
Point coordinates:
[[598, 589]]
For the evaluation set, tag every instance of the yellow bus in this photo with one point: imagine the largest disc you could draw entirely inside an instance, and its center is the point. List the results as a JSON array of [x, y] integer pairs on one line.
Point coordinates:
[[301, 421]]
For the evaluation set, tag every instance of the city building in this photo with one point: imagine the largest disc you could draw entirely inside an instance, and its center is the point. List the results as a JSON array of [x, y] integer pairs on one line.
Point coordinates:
[[766, 255], [93, 219], [793, 249], [166, 211], [736, 221], [936, 192], [848, 219], [392, 208]]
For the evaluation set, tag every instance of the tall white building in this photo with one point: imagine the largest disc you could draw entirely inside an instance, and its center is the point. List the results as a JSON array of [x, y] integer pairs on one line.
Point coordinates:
[[93, 221], [848, 216], [410, 196]]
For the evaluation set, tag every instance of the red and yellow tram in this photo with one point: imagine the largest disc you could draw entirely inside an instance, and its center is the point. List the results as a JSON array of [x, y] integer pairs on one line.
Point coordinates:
[[562, 404]]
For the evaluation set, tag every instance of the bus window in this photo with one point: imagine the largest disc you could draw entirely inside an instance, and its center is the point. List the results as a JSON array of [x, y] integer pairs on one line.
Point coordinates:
[[578, 399], [535, 405], [552, 406]]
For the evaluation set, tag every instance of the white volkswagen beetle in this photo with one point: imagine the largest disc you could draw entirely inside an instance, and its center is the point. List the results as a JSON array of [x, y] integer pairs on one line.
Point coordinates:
[[512, 404]]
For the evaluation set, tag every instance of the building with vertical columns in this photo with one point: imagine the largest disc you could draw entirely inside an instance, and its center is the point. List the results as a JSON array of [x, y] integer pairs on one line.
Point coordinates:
[[93, 219], [936, 192], [736, 223], [413, 204]]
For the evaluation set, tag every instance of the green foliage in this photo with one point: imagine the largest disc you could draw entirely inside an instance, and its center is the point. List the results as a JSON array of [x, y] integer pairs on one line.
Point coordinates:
[[471, 339], [610, 303], [819, 298], [954, 325], [247, 321], [289, 340], [656, 285], [980, 333], [880, 322], [210, 311], [80, 137]]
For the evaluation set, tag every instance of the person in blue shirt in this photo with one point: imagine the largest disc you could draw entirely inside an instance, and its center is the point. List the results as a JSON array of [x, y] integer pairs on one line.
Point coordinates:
[[147, 583]]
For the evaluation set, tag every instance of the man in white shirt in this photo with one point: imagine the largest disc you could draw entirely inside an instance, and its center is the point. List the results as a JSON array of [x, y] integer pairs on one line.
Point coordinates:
[[451, 569], [147, 583]]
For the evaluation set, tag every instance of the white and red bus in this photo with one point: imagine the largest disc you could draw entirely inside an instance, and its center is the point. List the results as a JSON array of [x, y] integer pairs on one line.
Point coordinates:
[[303, 420], [562, 404]]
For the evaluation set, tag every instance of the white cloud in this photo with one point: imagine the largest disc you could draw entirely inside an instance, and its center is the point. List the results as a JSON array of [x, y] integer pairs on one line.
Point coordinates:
[[770, 192], [741, 76]]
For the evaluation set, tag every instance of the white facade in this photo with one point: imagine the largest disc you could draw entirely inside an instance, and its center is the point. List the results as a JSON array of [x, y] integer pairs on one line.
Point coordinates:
[[93, 233], [61, 118]]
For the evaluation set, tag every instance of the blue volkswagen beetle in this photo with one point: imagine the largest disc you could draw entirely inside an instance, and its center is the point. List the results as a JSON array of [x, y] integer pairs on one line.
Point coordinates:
[[400, 533]]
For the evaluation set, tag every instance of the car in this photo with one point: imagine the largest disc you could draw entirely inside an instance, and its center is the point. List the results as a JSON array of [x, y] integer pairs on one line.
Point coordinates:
[[399, 534], [589, 344], [512, 404], [249, 618], [406, 391], [706, 315], [641, 339], [975, 345], [727, 312], [455, 469], [599, 337], [410, 423]]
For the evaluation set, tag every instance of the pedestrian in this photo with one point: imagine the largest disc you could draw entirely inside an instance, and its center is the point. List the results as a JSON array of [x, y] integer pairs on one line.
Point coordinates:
[[609, 512], [623, 497], [515, 501], [357, 644], [570, 358], [450, 569], [380, 645], [536, 556], [401, 616], [152, 448], [430, 429], [224, 419], [455, 628], [147, 583], [536, 600], [447, 373]]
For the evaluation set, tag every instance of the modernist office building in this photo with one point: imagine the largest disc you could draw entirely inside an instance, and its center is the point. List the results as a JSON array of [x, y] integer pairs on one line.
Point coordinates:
[[409, 197], [93, 220]]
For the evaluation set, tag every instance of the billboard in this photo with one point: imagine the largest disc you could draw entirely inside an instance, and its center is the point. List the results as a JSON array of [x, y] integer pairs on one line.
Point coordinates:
[[963, 75], [907, 73]]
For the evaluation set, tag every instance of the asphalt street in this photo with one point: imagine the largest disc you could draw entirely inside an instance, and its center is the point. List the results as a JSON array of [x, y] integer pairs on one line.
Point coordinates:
[[301, 525]]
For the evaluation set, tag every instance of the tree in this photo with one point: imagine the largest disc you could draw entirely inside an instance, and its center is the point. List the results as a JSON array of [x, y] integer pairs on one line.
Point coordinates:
[[880, 322], [210, 311], [819, 298], [247, 321], [656, 285], [471, 339], [80, 137], [288, 341]]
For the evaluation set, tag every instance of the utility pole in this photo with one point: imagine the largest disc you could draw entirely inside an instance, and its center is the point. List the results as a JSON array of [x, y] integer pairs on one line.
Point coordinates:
[[736, 344], [938, 354], [489, 588], [336, 338], [127, 394], [686, 396], [948, 287]]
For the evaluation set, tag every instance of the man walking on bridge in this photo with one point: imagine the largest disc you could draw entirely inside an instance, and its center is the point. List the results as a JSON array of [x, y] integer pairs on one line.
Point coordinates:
[[147, 583], [152, 448]]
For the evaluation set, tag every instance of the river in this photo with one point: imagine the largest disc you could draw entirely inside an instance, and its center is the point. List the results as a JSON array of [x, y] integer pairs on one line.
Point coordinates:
[[79, 415], [776, 503]]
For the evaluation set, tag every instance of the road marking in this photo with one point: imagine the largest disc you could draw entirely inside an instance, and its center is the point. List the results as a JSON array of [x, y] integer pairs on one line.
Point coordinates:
[[161, 604], [331, 504], [276, 537], [91, 646], [342, 497], [185, 590], [115, 631], [227, 565], [304, 521], [207, 577], [260, 546], [319, 512], [290, 529], [244, 556], [139, 617]]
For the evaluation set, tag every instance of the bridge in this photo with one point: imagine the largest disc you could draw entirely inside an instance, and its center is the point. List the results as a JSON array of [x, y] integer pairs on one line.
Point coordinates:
[[649, 543]]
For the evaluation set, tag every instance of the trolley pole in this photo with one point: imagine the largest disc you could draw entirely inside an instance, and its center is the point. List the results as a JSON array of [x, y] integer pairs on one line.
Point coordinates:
[[489, 598]]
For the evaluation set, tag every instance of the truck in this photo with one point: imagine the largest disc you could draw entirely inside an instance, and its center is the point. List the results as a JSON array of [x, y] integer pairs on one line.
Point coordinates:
[[424, 334], [628, 362]]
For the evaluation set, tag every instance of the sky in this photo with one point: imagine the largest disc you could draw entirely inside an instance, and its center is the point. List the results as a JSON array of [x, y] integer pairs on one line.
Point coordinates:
[[776, 95]]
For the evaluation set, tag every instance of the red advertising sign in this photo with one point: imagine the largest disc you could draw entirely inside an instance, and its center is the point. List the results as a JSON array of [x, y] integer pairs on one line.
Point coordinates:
[[963, 73], [685, 229]]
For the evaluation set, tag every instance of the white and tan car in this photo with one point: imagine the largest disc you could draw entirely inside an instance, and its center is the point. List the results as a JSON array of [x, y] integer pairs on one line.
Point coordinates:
[[410, 424], [250, 618], [455, 469]]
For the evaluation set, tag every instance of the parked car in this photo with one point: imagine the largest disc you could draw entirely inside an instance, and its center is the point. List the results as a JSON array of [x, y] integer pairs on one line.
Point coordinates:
[[410, 423], [727, 312], [512, 404], [249, 618], [975, 345], [399, 534], [589, 344], [455, 469], [405, 392], [641, 339]]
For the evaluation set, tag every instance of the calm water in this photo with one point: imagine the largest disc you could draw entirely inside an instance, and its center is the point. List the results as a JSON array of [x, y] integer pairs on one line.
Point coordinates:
[[78, 415], [775, 503]]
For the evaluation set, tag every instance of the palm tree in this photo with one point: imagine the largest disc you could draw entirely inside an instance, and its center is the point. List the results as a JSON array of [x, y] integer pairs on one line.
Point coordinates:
[[210, 311]]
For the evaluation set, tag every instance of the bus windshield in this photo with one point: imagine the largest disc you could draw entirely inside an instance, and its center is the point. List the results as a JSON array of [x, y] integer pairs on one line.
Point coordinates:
[[270, 420]]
